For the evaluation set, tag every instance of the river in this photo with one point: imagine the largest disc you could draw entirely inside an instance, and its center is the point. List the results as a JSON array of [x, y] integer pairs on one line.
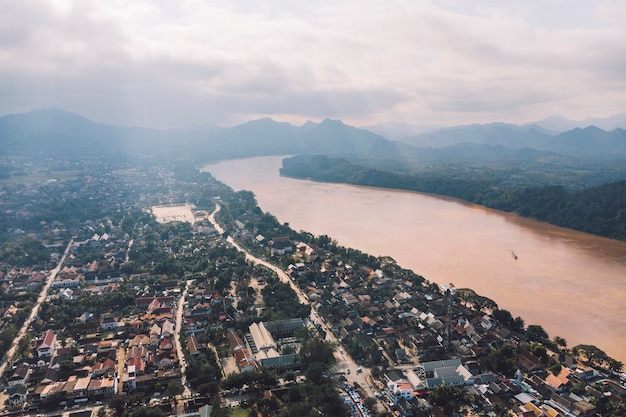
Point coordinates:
[[571, 283]]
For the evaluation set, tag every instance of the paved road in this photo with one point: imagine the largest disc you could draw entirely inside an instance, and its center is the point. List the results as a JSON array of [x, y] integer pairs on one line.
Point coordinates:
[[35, 311], [344, 360]]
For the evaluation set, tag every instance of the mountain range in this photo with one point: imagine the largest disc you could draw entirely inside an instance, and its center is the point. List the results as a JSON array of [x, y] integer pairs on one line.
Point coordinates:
[[54, 131], [590, 141], [552, 125]]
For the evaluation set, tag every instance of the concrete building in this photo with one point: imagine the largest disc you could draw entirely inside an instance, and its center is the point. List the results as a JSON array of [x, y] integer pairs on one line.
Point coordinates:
[[262, 344], [446, 372]]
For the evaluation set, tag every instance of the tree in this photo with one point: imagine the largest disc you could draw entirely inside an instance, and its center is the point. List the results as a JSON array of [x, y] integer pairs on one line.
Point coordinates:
[[501, 410], [267, 406], [117, 404], [290, 376], [67, 365], [503, 316], [536, 333], [607, 408], [615, 365], [556, 368], [503, 360], [317, 350], [518, 324], [24, 345], [173, 389], [294, 394], [591, 354], [539, 351], [146, 412], [560, 342], [370, 403], [315, 372], [450, 399], [208, 388]]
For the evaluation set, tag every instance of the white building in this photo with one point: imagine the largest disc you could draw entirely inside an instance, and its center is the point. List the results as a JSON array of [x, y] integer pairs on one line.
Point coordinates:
[[265, 348], [263, 339], [48, 344], [447, 372], [400, 389]]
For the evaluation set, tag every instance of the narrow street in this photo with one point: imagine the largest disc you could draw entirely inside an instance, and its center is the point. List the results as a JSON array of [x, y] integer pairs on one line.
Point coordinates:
[[35, 311], [121, 360], [179, 349]]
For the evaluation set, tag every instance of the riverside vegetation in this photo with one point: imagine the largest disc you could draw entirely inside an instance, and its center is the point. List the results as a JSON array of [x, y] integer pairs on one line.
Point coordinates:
[[553, 193], [83, 189], [113, 200]]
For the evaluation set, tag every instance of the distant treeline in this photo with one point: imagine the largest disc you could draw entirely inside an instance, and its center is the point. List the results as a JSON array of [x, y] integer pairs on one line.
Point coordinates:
[[599, 210]]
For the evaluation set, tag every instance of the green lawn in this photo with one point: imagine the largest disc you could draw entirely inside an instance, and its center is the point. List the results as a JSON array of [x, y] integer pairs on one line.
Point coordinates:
[[239, 412]]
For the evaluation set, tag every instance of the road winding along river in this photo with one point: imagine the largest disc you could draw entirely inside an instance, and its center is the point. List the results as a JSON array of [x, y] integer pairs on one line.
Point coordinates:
[[573, 284]]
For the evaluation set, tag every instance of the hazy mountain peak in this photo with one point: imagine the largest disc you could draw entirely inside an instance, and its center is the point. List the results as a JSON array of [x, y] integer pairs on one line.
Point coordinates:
[[261, 121], [44, 120], [593, 128], [58, 131], [608, 123], [52, 113], [561, 124], [332, 122]]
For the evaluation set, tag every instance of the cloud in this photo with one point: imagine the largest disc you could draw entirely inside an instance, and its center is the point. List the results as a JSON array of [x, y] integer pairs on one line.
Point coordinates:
[[164, 63]]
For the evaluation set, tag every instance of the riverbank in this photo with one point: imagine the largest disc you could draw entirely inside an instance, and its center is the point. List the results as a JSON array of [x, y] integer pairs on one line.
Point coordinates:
[[384, 314], [569, 282], [583, 208]]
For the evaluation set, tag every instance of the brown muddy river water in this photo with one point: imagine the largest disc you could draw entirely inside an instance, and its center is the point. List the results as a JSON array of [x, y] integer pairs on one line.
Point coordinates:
[[571, 283]]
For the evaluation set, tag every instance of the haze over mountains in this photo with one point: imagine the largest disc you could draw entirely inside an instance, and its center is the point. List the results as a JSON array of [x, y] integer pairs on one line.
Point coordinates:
[[56, 131], [552, 125]]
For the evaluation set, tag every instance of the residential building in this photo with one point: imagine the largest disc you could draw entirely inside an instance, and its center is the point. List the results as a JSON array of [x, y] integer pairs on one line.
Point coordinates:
[[47, 344]]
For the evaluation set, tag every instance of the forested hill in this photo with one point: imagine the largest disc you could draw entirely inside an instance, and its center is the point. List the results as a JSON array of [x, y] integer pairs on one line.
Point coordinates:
[[600, 209]]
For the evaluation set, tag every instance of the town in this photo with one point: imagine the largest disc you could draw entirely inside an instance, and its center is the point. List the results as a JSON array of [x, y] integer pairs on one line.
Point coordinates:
[[138, 287]]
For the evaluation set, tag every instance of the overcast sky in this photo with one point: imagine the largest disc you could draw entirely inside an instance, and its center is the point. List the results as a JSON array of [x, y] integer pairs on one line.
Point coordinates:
[[171, 63]]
